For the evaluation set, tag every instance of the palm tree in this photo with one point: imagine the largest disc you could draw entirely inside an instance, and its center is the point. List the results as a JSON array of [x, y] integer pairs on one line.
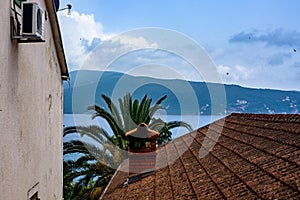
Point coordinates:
[[98, 159], [95, 164], [131, 113]]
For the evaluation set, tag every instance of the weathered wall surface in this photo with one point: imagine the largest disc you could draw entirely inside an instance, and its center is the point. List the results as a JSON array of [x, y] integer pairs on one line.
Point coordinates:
[[30, 115]]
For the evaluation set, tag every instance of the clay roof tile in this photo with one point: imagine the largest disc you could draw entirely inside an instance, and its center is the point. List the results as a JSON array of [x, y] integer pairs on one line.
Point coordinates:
[[242, 156]]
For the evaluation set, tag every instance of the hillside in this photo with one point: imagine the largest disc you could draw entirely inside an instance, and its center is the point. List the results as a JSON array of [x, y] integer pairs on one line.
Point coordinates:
[[79, 93]]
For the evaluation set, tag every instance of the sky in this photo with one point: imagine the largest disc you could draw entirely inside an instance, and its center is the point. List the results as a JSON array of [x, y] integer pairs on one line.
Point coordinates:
[[250, 43]]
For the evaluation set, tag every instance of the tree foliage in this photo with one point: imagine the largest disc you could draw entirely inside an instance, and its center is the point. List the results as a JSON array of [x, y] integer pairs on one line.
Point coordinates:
[[86, 176], [132, 113]]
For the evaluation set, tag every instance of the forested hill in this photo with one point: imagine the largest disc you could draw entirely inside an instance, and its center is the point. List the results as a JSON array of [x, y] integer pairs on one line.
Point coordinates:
[[79, 93]]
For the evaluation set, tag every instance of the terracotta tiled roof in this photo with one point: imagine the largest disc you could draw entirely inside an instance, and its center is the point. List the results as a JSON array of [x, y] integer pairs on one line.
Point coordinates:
[[243, 156]]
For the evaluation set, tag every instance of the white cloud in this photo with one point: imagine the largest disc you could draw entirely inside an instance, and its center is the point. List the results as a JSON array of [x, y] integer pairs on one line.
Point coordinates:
[[258, 65], [246, 64], [242, 72], [111, 50], [80, 33], [237, 74], [153, 62], [284, 77], [224, 69], [88, 47], [76, 29], [136, 42]]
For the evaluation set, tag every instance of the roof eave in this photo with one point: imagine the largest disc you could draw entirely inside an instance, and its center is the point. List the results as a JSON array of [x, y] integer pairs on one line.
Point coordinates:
[[57, 40]]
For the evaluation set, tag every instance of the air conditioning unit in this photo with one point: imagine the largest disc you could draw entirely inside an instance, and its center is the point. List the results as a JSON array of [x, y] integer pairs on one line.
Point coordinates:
[[32, 21]]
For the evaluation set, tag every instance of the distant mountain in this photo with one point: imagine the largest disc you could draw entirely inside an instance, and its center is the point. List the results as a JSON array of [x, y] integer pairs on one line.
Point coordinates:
[[86, 87]]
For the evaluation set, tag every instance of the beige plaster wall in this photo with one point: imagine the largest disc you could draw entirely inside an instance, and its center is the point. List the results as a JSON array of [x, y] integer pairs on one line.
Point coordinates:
[[30, 115]]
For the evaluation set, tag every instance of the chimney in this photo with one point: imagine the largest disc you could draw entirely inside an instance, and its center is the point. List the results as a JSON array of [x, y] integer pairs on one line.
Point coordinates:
[[142, 149]]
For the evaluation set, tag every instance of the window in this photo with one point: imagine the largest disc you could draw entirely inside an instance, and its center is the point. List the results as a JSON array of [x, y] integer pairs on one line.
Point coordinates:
[[137, 144], [35, 196], [148, 144], [33, 193]]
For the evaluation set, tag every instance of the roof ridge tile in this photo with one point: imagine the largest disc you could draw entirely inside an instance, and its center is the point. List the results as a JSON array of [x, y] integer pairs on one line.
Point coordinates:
[[268, 117]]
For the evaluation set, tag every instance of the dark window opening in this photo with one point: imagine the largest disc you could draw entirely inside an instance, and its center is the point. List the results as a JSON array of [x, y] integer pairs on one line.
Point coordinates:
[[35, 196], [137, 144]]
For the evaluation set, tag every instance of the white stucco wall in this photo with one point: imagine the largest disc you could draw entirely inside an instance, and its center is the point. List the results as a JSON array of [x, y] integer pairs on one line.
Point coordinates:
[[30, 115]]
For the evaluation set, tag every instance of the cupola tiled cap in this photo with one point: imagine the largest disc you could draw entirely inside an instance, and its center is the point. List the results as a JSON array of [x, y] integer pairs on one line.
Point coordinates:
[[142, 131]]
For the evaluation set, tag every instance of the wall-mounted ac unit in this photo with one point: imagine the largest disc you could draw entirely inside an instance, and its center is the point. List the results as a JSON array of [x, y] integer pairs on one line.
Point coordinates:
[[32, 21]]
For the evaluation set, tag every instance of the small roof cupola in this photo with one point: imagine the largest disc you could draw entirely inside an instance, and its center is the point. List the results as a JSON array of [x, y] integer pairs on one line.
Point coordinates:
[[142, 149]]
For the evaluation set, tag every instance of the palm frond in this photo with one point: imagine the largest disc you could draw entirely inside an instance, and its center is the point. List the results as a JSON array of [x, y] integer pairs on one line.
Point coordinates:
[[175, 124], [94, 132], [157, 106], [113, 109], [100, 112], [98, 160]]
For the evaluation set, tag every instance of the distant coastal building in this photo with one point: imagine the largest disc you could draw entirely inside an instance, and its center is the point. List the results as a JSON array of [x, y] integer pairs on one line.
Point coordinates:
[[32, 69], [242, 156]]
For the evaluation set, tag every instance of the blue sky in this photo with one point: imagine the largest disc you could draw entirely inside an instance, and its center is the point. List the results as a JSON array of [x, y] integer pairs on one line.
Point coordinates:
[[252, 43]]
